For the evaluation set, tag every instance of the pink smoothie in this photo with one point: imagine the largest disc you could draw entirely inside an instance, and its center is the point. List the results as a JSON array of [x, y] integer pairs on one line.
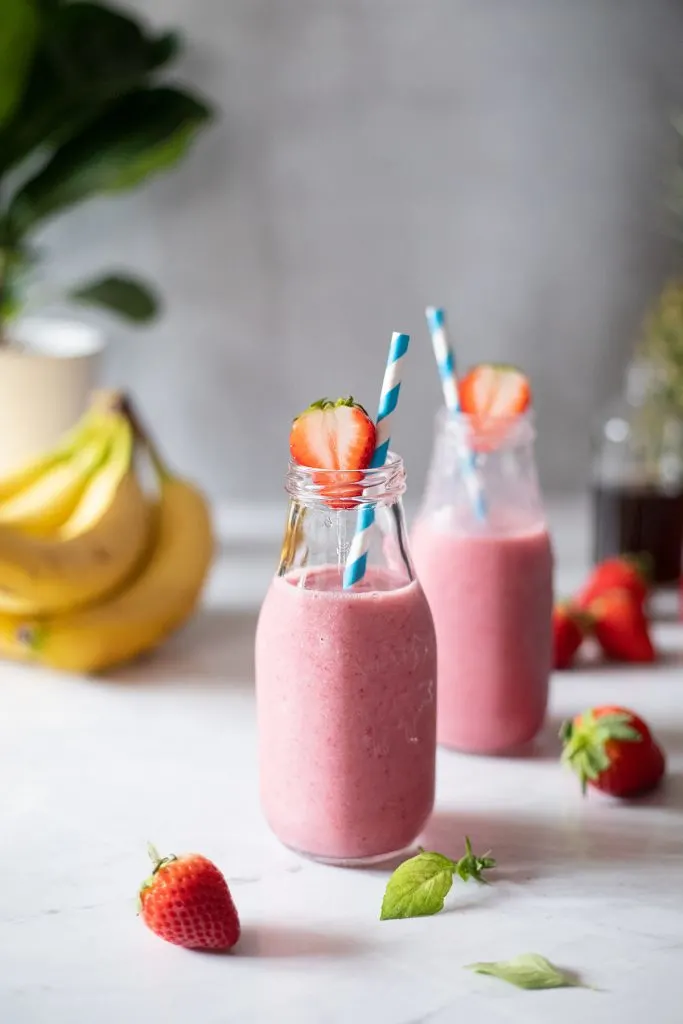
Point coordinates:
[[491, 598], [346, 685]]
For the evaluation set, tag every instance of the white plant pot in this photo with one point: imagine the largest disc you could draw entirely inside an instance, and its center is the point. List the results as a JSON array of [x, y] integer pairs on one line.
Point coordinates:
[[47, 373]]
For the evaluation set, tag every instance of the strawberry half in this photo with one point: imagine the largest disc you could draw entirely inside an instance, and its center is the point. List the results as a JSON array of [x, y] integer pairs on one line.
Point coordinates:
[[621, 627], [339, 438], [491, 391], [493, 395], [629, 572], [612, 749]]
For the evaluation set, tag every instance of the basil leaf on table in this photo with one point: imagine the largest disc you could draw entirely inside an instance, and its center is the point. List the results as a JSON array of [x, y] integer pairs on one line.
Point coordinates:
[[528, 970]]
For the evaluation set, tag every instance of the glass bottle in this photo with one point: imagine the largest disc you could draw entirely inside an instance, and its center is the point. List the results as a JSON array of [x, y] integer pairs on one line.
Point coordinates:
[[637, 478], [346, 678], [488, 579]]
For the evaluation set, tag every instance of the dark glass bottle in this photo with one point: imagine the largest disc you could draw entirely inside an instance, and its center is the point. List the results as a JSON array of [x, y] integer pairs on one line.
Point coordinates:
[[637, 482]]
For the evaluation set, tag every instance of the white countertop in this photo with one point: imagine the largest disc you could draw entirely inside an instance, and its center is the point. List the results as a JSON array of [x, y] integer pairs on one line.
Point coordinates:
[[165, 751]]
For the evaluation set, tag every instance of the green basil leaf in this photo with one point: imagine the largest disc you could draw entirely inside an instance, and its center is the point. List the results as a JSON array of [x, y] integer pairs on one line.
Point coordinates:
[[529, 970], [418, 887], [125, 296]]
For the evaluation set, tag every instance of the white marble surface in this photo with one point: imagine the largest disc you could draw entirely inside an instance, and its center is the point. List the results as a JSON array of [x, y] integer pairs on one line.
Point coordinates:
[[90, 770]]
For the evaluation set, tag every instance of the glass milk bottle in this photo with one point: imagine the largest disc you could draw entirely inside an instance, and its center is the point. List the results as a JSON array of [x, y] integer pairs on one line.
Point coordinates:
[[487, 574], [346, 679]]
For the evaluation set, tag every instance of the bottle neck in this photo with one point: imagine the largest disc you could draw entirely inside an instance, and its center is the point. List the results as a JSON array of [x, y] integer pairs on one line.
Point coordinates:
[[326, 510], [486, 435], [483, 474], [331, 490]]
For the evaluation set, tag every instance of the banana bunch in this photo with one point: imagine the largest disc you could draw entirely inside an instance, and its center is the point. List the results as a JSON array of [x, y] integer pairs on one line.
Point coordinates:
[[93, 570]]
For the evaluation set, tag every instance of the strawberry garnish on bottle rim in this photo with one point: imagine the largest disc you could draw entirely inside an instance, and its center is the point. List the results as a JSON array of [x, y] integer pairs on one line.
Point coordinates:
[[337, 438], [493, 395], [492, 390]]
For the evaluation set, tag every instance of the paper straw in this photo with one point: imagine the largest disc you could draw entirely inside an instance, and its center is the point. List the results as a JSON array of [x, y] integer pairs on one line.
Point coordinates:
[[357, 560], [445, 362]]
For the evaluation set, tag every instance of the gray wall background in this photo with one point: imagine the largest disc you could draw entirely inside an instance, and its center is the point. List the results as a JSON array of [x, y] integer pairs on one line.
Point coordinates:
[[504, 158]]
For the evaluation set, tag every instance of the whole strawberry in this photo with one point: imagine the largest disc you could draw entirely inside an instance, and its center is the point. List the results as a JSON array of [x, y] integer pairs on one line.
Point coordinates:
[[186, 901], [612, 749], [628, 572], [570, 626], [621, 628]]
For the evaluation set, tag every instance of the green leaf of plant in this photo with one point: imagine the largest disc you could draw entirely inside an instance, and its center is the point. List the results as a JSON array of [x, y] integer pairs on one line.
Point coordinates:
[[90, 55], [164, 49], [147, 132], [418, 887], [529, 970], [18, 33], [125, 296]]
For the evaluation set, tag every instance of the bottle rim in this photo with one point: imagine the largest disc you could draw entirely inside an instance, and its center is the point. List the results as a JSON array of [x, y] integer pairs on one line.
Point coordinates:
[[508, 431], [347, 488]]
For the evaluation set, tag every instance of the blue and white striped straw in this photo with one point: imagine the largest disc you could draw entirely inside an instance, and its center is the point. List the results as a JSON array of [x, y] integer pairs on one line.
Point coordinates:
[[445, 362], [357, 560]]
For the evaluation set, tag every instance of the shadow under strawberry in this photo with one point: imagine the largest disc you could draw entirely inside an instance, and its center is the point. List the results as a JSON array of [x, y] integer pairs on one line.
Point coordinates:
[[279, 942]]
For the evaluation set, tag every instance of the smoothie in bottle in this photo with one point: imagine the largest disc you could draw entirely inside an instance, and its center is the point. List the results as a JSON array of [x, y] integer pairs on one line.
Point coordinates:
[[346, 676], [487, 572]]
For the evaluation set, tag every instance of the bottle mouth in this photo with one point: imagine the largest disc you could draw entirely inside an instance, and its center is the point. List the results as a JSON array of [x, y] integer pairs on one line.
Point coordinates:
[[487, 433], [347, 488]]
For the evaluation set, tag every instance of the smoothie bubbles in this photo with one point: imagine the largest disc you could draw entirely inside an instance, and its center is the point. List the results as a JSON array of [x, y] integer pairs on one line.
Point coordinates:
[[484, 558], [345, 646]]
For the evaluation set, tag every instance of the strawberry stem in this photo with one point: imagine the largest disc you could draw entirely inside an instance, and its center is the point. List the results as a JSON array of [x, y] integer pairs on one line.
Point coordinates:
[[157, 861]]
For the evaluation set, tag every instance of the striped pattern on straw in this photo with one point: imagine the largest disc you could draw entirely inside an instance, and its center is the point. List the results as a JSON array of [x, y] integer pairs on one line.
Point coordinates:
[[357, 560], [445, 362]]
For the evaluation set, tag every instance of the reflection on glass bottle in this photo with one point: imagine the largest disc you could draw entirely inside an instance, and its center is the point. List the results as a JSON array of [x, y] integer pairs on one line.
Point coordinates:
[[638, 478]]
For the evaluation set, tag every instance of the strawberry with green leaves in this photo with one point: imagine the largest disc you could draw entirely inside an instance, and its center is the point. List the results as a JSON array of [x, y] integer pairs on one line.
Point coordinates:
[[612, 749], [186, 901], [337, 438]]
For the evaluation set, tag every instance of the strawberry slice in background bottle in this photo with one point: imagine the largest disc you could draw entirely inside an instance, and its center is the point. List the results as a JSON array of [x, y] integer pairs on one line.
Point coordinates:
[[621, 627], [492, 390], [338, 438], [627, 572], [612, 749], [492, 395]]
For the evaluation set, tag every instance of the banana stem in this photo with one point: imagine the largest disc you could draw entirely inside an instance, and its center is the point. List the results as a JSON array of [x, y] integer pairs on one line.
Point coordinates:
[[143, 435]]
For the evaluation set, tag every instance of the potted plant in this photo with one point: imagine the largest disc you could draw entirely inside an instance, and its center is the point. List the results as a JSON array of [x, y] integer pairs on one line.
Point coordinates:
[[84, 112]]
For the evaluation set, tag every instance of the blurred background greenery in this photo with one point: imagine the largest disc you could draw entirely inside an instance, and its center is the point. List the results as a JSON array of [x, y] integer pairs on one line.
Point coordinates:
[[85, 110]]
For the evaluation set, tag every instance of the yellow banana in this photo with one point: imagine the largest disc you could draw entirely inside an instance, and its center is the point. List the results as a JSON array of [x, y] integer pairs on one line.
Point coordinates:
[[28, 474], [162, 596], [99, 547], [44, 505]]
